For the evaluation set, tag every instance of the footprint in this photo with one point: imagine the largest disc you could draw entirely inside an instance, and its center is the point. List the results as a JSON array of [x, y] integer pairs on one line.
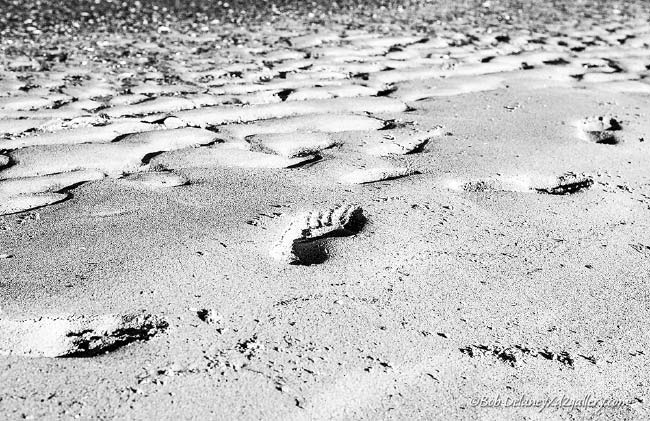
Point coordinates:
[[297, 246], [488, 185], [75, 336], [567, 183], [604, 130]]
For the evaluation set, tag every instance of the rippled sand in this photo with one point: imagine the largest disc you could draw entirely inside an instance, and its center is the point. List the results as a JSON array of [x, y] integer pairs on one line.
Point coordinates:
[[394, 214]]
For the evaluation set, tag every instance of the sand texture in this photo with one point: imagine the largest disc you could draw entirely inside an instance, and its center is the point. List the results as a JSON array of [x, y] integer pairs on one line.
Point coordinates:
[[391, 211]]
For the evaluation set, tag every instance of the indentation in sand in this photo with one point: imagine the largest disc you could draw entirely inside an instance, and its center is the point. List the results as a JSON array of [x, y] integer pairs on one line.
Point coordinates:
[[75, 336], [296, 246], [604, 129], [567, 183]]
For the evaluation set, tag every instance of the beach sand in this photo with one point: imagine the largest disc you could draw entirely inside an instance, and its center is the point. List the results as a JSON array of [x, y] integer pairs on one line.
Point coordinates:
[[329, 220]]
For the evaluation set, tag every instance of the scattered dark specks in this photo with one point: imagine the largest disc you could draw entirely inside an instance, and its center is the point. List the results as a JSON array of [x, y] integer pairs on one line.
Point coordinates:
[[510, 355], [249, 347]]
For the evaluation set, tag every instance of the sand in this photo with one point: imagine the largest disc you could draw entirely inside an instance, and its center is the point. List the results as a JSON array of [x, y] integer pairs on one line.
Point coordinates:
[[328, 220]]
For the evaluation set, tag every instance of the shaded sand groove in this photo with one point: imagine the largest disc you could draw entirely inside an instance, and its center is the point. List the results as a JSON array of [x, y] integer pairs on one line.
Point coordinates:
[[75, 336]]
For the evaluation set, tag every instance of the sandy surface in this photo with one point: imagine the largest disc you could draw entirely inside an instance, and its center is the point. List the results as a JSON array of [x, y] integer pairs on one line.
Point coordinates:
[[327, 217]]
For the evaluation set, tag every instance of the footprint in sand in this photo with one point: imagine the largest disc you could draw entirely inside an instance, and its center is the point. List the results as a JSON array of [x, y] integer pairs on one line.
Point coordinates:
[[75, 336], [604, 130], [297, 246], [567, 183]]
